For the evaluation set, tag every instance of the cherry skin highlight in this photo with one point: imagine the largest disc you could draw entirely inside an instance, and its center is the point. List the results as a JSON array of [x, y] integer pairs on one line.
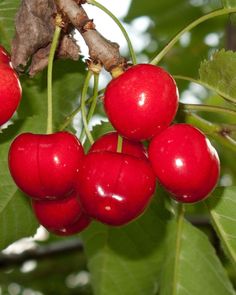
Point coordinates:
[[45, 166], [57, 214], [115, 188], [185, 162], [141, 102], [82, 223], [10, 92], [108, 142], [4, 56]]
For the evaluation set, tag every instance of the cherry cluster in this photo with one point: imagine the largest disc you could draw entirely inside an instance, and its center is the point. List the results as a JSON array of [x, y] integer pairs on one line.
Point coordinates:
[[68, 188]]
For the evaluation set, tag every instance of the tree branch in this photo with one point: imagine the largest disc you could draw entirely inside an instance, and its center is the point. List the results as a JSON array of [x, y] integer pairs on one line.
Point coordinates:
[[100, 49], [41, 252]]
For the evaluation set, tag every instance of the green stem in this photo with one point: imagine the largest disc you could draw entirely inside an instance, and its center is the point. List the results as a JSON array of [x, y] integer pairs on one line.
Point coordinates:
[[93, 100], [215, 131], [207, 108], [189, 79], [192, 25], [53, 48], [119, 144], [131, 49], [83, 106]]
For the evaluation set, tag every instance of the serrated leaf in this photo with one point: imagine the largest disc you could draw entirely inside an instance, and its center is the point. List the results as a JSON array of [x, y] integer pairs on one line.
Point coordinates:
[[127, 260], [8, 10], [16, 218], [219, 74], [191, 265], [222, 209]]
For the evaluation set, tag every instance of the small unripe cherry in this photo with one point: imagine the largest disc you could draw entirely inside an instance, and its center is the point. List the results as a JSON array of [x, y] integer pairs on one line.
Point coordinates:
[[185, 162], [45, 166], [141, 102], [108, 142], [57, 214], [10, 92], [115, 188]]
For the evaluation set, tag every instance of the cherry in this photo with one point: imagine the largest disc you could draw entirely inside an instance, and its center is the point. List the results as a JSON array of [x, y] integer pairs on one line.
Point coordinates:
[[115, 188], [45, 166], [10, 92], [4, 56], [141, 102], [75, 228], [185, 162], [108, 142], [57, 214]]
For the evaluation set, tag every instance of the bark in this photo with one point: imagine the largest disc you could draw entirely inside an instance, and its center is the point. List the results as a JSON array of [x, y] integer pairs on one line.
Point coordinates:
[[34, 32], [100, 49]]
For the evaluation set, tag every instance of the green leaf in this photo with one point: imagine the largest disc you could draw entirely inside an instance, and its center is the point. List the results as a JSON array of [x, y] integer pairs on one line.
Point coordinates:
[[16, 217], [67, 84], [218, 74], [127, 260], [191, 265], [222, 209], [8, 10]]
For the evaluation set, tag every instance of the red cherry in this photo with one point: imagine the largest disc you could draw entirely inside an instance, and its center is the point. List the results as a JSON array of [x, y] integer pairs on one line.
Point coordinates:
[[75, 228], [4, 56], [45, 166], [57, 214], [115, 188], [10, 92], [108, 142], [185, 162], [141, 102]]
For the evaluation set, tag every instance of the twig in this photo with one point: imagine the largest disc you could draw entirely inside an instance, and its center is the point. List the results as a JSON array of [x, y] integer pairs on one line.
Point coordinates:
[[100, 49], [41, 252]]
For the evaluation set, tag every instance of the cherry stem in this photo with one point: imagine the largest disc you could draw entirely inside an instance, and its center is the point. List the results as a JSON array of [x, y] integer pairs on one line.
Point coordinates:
[[93, 100], [119, 144], [217, 132], [116, 20], [192, 25], [83, 107], [53, 48], [207, 108], [189, 79]]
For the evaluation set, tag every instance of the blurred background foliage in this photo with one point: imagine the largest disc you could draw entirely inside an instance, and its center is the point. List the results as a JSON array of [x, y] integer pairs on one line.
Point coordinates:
[[66, 272]]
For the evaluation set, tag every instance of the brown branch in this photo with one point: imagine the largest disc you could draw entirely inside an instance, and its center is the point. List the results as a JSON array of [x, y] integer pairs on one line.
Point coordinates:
[[35, 27], [41, 252], [100, 49]]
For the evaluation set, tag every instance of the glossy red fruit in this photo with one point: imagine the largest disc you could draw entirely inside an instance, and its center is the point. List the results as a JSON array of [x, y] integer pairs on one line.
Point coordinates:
[[45, 166], [185, 162], [10, 92], [56, 214], [108, 142], [4, 56], [115, 188], [141, 102], [82, 223]]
